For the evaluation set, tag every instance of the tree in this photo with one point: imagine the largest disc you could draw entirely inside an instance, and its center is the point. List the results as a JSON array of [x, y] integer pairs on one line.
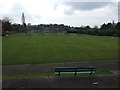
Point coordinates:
[[87, 27], [109, 26], [6, 23], [103, 27], [95, 27], [117, 26]]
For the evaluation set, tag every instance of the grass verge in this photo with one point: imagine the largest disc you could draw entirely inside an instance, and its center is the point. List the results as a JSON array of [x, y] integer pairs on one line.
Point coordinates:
[[48, 75]]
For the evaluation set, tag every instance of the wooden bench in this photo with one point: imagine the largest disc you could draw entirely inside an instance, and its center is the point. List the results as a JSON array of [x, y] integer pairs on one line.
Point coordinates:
[[74, 70]]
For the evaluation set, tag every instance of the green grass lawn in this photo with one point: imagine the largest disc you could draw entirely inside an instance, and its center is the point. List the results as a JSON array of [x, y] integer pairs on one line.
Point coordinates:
[[54, 48], [103, 72]]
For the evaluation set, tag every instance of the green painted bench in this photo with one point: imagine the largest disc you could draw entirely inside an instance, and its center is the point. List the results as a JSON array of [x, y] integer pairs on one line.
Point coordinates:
[[74, 70]]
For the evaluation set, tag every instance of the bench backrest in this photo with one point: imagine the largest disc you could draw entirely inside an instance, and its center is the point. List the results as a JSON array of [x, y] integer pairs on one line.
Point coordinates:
[[74, 69]]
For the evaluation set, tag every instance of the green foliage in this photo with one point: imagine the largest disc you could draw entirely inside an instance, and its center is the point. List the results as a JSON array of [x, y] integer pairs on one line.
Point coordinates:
[[115, 33], [29, 48], [105, 30], [6, 24]]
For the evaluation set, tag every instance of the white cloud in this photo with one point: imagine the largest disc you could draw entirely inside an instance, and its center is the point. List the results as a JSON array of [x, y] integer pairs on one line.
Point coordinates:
[[55, 11]]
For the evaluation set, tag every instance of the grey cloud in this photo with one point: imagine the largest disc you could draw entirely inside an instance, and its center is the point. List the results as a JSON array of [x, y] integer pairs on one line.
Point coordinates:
[[37, 16], [85, 6], [17, 8], [16, 13], [119, 11], [68, 11]]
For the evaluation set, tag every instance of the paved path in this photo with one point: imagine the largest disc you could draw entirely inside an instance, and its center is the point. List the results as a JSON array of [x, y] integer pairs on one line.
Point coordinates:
[[49, 68], [109, 81], [104, 81]]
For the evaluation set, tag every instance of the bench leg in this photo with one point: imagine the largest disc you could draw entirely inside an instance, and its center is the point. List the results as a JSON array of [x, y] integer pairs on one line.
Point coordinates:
[[75, 74], [59, 74]]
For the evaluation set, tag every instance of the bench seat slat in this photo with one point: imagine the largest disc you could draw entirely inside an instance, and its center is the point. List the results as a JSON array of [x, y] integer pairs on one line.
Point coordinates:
[[76, 71], [73, 72], [75, 68]]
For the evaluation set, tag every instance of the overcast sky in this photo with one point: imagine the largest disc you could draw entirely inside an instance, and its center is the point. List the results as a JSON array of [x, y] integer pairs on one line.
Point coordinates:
[[68, 12]]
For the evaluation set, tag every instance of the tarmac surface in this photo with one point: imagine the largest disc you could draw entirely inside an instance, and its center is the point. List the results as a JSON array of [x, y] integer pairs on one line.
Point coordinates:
[[49, 68], [63, 82], [94, 81]]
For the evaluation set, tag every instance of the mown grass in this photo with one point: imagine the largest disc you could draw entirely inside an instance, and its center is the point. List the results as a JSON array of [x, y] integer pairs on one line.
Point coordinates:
[[30, 48], [102, 72]]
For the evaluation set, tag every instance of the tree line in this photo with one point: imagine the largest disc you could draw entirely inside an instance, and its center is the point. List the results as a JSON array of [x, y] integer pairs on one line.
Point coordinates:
[[109, 29]]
